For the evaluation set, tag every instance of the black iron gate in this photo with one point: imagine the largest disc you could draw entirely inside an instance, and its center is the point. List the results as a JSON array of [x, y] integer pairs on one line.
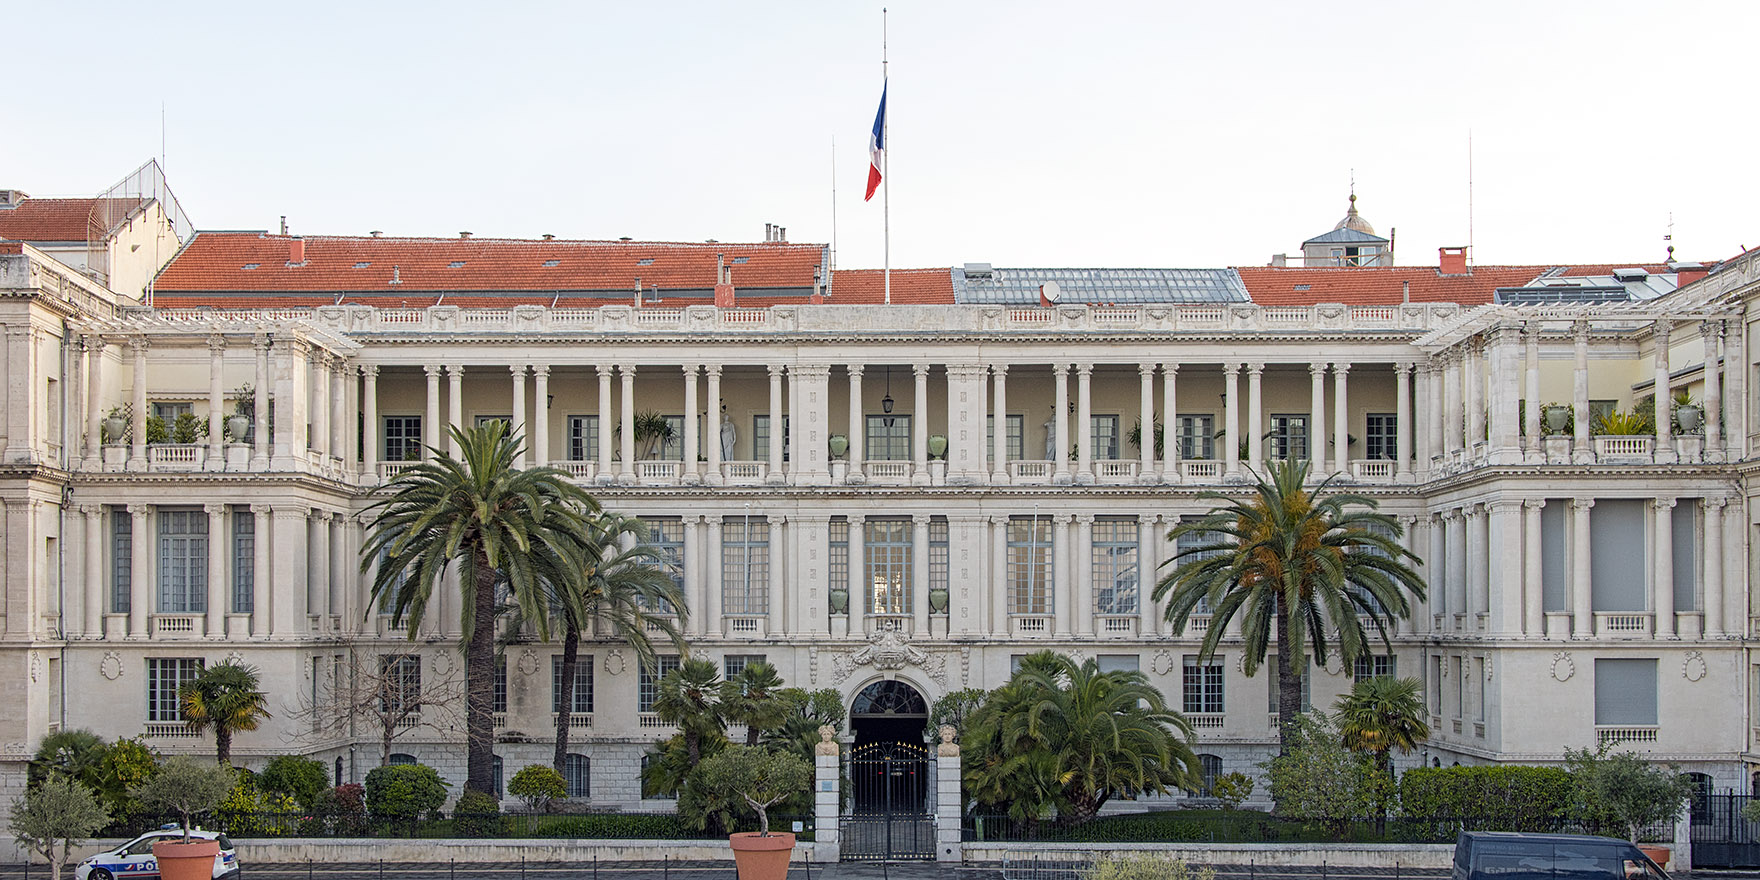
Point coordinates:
[[1721, 837], [889, 818]]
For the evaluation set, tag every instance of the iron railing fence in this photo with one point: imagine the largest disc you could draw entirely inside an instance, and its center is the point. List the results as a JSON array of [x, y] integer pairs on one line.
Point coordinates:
[[1249, 826]]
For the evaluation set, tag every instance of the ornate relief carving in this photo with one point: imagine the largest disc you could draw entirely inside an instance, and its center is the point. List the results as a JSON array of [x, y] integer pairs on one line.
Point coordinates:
[[1162, 662], [1693, 668], [528, 662], [888, 651], [36, 666], [965, 666], [236, 658], [614, 661], [813, 665], [444, 663], [1562, 666], [111, 666]]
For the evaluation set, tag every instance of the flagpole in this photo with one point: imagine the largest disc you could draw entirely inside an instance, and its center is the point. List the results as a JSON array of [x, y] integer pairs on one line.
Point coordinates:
[[885, 172]]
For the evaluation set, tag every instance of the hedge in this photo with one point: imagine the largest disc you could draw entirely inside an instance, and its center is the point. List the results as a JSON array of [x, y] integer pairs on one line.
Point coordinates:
[[1501, 798]]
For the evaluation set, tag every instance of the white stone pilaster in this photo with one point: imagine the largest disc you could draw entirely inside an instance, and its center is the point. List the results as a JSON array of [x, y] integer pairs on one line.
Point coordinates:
[[520, 426], [1662, 550], [1341, 415], [1256, 417], [1582, 613]]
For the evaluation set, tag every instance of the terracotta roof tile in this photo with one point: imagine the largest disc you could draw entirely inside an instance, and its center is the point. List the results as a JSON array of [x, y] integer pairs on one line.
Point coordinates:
[[47, 220], [909, 287], [1272, 286], [215, 262]]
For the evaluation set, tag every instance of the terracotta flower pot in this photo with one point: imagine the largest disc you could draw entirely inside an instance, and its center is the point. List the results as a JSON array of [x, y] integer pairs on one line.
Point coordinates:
[[186, 861], [761, 858], [1657, 854]]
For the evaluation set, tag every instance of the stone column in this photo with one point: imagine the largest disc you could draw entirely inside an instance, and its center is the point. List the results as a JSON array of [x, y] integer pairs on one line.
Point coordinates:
[[1231, 419], [1478, 567], [998, 531], [94, 377], [1341, 415], [1533, 596], [1506, 568], [775, 477], [1081, 563], [318, 373], [1061, 581], [1505, 393], [1473, 396], [712, 373], [606, 424], [693, 470], [520, 425], [339, 394], [349, 409], [1424, 403], [1170, 422], [1060, 411], [1580, 450], [920, 574], [827, 798], [1711, 332], [1531, 445], [1662, 548], [95, 582], [137, 455], [540, 432], [1317, 418], [1453, 413], [1436, 569], [260, 411], [370, 422], [1402, 422], [141, 580], [626, 423], [920, 426], [318, 562], [948, 848], [778, 568], [288, 590], [1459, 603], [219, 553], [857, 430], [1714, 592], [339, 556], [967, 416], [999, 423], [431, 421], [1084, 424], [1146, 435], [812, 434], [261, 526], [1735, 358], [216, 404], [709, 616], [1582, 613], [455, 402], [1148, 561], [1664, 418], [1255, 417]]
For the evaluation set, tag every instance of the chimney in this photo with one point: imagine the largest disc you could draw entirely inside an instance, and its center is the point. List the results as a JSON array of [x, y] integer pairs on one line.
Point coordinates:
[[638, 291], [396, 275], [549, 237], [464, 234], [1687, 273], [1279, 261], [769, 233], [283, 224], [1453, 260], [296, 252], [375, 233], [1405, 291], [817, 297], [723, 284]]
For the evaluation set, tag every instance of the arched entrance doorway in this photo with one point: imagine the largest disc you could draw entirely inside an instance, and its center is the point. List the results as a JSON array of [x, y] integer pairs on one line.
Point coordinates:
[[888, 771]]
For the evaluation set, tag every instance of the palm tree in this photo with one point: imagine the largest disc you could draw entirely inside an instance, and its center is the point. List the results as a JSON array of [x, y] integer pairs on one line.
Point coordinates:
[[752, 698], [1381, 714], [690, 697], [502, 528], [225, 697], [1109, 733], [1297, 564], [625, 590]]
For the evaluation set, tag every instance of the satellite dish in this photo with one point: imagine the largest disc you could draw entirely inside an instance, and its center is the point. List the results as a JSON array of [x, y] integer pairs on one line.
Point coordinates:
[[1050, 292]]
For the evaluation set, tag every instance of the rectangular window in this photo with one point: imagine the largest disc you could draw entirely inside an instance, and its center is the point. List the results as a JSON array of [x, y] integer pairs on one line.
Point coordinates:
[[165, 677], [1202, 690], [648, 684], [121, 559], [1436, 684], [583, 684], [244, 560], [505, 420], [1625, 692], [1374, 666], [1687, 554], [403, 438], [1289, 437], [886, 551], [1016, 440], [672, 448], [500, 699], [734, 664], [169, 411], [183, 561], [761, 438], [1381, 435], [745, 565], [1555, 585], [938, 553], [1197, 436], [888, 438], [1103, 433], [1191, 541], [1118, 662], [400, 683], [583, 438], [1619, 565], [666, 536], [1114, 561], [1029, 565]]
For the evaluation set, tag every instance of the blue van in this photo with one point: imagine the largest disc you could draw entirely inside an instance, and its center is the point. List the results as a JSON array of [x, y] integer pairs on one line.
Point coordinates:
[[1502, 855]]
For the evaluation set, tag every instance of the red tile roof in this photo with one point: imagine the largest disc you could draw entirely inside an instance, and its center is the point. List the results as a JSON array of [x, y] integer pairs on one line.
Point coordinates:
[[909, 287], [1272, 286], [214, 262], [47, 220]]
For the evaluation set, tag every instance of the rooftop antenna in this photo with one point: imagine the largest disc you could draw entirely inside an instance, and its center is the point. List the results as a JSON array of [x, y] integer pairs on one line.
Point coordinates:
[[833, 260], [161, 136], [1471, 251], [1670, 237]]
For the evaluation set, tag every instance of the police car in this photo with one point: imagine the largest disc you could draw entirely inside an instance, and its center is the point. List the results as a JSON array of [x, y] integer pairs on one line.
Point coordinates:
[[134, 859]]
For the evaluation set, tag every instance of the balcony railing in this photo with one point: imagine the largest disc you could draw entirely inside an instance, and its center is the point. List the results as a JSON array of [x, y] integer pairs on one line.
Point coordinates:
[[176, 456], [169, 730], [744, 473], [178, 626], [1198, 624], [750, 627], [1109, 471], [1117, 626], [1201, 470], [887, 471], [1029, 472], [1624, 735], [576, 720], [1034, 626], [584, 471], [658, 473], [1623, 625], [650, 720], [1372, 470], [389, 469], [1206, 720], [1630, 447]]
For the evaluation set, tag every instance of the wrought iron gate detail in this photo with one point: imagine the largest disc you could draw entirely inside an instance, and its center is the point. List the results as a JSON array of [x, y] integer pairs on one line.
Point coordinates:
[[1722, 837], [889, 816]]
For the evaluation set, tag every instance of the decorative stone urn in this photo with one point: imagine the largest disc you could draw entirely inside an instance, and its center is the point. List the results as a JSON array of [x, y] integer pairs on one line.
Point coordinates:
[[1689, 416], [839, 444], [1555, 419]]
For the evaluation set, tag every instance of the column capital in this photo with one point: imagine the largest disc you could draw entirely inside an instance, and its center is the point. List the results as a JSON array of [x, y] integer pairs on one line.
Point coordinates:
[[214, 510], [320, 514], [1084, 369], [138, 510], [604, 370], [369, 371], [261, 342], [1061, 371], [1340, 369], [1582, 503], [138, 345], [1664, 503], [289, 511], [1580, 330], [1407, 521], [996, 520], [855, 370], [1000, 371], [433, 371], [1405, 367], [1715, 502], [920, 519], [1505, 505], [1535, 503], [541, 371], [98, 509], [455, 371], [811, 371], [1256, 368], [1663, 327], [1711, 328], [262, 509], [920, 370], [1169, 369], [1231, 370], [1084, 519], [518, 370], [1146, 369], [216, 343], [1063, 519], [856, 519], [776, 519], [775, 370], [1317, 369]]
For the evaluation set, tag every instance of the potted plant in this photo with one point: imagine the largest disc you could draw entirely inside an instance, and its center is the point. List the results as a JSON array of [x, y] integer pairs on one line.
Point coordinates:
[[1555, 418], [1624, 423], [1629, 790], [1136, 435], [652, 430], [157, 431], [839, 600], [760, 778], [244, 405], [188, 429], [187, 788], [1688, 415]]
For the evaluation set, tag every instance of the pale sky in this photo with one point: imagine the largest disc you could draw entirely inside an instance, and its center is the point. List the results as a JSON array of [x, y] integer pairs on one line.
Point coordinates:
[[1022, 133]]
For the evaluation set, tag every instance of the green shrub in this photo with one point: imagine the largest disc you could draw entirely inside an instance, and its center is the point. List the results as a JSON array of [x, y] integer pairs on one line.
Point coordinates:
[[303, 778], [1494, 798], [616, 826], [538, 785], [1232, 788], [404, 792], [1144, 866], [477, 815]]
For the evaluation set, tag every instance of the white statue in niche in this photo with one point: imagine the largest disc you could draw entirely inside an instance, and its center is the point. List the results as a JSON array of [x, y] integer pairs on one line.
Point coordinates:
[[1050, 441], [728, 435]]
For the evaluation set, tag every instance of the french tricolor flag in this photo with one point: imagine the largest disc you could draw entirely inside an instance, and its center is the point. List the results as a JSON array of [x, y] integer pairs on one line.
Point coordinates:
[[877, 147]]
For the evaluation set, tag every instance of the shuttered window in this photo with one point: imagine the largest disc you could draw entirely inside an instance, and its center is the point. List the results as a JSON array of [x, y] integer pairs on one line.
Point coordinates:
[[1625, 692]]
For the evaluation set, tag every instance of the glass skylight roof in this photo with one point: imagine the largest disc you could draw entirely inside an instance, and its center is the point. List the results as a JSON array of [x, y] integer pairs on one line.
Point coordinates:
[[1118, 286]]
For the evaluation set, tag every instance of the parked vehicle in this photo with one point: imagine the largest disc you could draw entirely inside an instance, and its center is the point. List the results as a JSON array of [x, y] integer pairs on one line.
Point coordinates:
[[134, 859], [1501, 855]]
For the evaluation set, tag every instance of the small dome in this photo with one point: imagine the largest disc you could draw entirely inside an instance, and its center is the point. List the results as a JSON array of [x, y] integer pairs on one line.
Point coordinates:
[[1353, 220]]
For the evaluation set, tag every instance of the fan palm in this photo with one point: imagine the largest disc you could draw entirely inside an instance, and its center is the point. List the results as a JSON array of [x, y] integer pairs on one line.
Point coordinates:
[[627, 592], [225, 697], [1300, 565], [1382, 714], [501, 527], [690, 697], [752, 698]]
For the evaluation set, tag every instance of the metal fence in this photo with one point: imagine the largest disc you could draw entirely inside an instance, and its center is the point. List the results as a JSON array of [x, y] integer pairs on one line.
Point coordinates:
[[1250, 826], [595, 826]]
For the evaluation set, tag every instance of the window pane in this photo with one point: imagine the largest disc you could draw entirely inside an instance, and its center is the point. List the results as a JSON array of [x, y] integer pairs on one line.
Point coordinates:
[[745, 565], [583, 684], [886, 550], [648, 685], [666, 536], [583, 438], [1029, 565], [888, 438], [1202, 685], [1114, 564], [1289, 437], [121, 560], [1104, 436], [1197, 437], [403, 438]]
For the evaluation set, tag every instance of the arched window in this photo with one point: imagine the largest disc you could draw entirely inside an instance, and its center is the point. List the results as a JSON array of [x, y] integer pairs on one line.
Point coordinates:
[[496, 782], [1701, 792], [578, 773], [401, 758], [1212, 768]]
